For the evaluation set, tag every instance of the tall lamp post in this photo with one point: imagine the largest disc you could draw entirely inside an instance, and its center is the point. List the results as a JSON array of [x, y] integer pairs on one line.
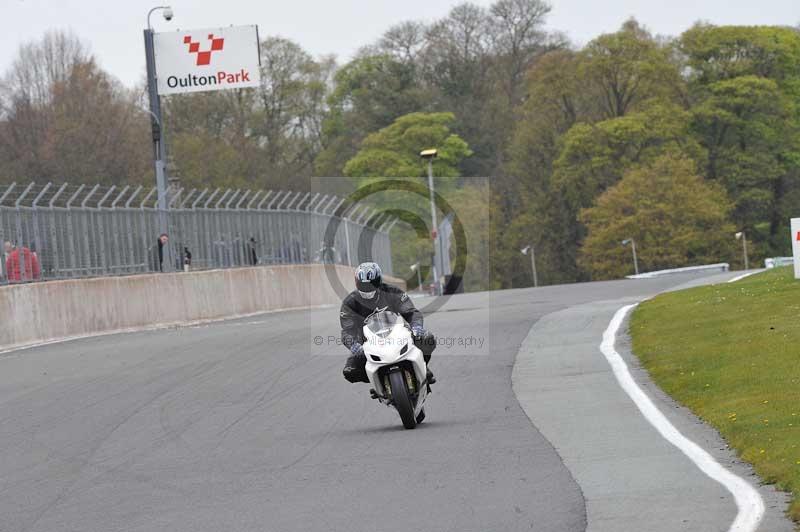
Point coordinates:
[[743, 237], [159, 143], [430, 155], [533, 263], [632, 242]]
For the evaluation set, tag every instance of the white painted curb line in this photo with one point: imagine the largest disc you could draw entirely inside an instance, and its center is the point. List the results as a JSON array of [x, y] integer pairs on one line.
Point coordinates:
[[740, 277], [748, 500]]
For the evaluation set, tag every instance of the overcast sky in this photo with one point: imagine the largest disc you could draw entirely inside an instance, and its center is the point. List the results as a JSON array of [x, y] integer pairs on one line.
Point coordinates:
[[113, 28]]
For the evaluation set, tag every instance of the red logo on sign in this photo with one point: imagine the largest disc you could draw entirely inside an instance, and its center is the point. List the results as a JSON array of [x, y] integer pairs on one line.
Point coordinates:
[[798, 236], [204, 58]]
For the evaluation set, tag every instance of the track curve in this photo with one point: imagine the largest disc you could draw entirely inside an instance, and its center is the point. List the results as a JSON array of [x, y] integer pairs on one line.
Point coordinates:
[[248, 425]]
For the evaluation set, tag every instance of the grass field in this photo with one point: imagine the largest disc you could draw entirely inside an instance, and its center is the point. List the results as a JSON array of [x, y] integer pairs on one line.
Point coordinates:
[[731, 353]]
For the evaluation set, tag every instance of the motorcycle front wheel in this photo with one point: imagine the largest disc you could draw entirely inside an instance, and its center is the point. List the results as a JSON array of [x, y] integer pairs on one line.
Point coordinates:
[[401, 399]]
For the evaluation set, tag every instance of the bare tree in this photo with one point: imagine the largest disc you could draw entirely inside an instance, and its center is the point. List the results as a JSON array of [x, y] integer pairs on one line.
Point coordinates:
[[40, 65], [518, 38], [64, 118], [404, 41], [292, 96]]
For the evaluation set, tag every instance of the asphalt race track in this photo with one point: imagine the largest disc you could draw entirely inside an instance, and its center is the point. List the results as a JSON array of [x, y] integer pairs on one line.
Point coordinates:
[[248, 425]]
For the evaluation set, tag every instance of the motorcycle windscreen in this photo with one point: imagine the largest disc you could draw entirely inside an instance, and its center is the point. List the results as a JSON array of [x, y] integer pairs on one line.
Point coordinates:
[[382, 323]]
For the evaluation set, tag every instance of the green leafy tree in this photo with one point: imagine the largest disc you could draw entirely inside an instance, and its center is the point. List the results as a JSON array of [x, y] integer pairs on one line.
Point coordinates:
[[628, 67], [394, 150], [537, 214], [595, 156], [717, 53], [676, 218], [745, 84], [369, 93], [746, 125], [589, 115]]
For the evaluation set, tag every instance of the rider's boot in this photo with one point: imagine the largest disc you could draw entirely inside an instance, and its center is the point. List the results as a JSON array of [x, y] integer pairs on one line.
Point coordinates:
[[429, 377], [354, 369]]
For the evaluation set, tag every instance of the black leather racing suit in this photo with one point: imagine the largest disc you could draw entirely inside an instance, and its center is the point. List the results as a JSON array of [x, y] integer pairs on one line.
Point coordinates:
[[355, 309]]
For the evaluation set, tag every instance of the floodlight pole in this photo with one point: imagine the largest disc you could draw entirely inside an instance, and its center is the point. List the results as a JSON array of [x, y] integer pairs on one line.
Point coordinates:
[[533, 263], [744, 248], [429, 155], [159, 142], [633, 247], [743, 236]]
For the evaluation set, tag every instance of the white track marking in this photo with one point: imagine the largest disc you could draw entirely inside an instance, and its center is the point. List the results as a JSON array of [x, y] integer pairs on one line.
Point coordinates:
[[748, 500], [740, 277]]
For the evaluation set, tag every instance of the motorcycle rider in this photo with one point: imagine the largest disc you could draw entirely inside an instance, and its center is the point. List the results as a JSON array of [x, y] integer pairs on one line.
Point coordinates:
[[371, 293]]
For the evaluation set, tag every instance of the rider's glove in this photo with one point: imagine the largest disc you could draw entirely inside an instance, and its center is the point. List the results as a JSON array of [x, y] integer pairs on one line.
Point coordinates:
[[418, 331], [357, 349]]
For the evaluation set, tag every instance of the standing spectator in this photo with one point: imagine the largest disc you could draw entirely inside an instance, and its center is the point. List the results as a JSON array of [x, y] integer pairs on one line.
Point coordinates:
[[26, 269], [252, 256], [187, 259], [163, 240], [326, 254]]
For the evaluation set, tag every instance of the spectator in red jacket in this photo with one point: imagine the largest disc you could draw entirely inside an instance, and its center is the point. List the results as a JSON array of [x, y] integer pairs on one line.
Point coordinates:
[[29, 270]]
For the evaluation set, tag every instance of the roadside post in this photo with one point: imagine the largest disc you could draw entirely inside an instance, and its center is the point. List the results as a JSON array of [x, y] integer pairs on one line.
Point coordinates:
[[533, 263], [429, 156], [632, 242], [159, 144], [741, 235], [186, 61], [795, 224]]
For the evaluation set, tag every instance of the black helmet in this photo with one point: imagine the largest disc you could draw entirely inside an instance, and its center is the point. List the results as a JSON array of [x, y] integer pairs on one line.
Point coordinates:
[[368, 279]]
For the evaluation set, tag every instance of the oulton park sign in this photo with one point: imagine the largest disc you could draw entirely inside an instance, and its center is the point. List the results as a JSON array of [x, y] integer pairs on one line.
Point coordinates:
[[207, 59]]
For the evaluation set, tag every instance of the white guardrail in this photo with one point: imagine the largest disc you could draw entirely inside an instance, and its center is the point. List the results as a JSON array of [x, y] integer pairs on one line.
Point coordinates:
[[777, 262], [773, 262], [722, 267]]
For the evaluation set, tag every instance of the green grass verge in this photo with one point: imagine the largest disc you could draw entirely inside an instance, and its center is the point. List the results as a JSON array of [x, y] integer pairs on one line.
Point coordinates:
[[731, 353]]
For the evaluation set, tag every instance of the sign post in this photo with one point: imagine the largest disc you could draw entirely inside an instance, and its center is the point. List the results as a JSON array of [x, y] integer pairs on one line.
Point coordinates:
[[193, 61], [159, 144], [795, 224]]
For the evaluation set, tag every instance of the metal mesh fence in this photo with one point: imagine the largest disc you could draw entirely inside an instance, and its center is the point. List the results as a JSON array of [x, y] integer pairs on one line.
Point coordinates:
[[66, 231]]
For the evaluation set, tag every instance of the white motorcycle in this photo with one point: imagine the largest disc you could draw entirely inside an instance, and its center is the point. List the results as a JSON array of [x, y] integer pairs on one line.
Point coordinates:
[[395, 366]]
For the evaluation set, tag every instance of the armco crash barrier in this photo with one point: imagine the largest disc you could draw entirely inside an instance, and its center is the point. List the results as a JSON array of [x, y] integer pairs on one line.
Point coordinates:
[[43, 312], [722, 267]]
